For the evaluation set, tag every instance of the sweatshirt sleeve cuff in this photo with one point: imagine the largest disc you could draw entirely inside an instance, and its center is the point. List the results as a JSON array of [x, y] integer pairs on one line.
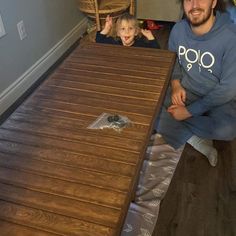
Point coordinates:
[[154, 43], [197, 108]]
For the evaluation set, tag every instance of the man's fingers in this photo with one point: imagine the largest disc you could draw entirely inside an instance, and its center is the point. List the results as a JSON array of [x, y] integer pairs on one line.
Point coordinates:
[[183, 97], [171, 108], [181, 103], [177, 101]]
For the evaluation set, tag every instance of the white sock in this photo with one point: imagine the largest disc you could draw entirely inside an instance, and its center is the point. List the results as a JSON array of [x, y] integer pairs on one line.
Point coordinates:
[[205, 147], [157, 139]]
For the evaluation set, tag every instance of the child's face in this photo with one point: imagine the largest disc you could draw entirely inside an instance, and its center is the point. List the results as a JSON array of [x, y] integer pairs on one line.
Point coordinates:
[[127, 32]]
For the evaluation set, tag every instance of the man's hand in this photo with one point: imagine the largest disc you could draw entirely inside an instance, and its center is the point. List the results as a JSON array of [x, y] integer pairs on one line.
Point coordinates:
[[148, 34], [108, 25], [179, 112], [178, 96]]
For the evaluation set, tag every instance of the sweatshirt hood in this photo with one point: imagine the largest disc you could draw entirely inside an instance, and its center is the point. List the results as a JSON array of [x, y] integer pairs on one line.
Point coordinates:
[[219, 25]]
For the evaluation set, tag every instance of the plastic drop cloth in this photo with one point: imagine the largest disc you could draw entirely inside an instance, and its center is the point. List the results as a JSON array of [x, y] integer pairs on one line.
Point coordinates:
[[156, 174]]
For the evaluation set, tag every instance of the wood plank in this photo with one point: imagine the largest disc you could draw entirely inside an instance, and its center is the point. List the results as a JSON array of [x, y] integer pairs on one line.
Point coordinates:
[[67, 118], [118, 52], [79, 135], [123, 61], [91, 111], [103, 75], [9, 228], [71, 174], [60, 205], [107, 89], [71, 96], [77, 147], [120, 82], [102, 97], [156, 67], [54, 223], [115, 71], [70, 159], [97, 195], [121, 52]]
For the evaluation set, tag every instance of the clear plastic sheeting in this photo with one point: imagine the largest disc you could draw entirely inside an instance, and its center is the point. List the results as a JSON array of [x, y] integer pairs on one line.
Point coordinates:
[[110, 121], [156, 174]]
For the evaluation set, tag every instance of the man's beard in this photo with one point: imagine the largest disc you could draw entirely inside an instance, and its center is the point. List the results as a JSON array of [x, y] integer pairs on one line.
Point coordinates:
[[198, 22]]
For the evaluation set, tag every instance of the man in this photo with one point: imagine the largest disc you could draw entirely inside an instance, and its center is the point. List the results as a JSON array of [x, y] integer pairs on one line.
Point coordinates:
[[231, 8], [201, 104]]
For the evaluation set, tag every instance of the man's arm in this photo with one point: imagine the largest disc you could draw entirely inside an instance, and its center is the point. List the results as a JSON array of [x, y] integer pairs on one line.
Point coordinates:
[[224, 91], [178, 96]]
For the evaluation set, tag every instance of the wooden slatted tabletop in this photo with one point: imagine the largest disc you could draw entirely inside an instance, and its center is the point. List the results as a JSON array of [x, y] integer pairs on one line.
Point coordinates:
[[57, 177]]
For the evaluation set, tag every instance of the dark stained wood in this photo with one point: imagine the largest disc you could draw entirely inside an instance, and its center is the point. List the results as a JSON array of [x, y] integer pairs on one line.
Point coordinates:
[[57, 177], [201, 200], [8, 229]]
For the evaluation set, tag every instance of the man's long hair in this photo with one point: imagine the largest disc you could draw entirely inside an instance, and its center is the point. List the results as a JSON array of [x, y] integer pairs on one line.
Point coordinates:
[[220, 6]]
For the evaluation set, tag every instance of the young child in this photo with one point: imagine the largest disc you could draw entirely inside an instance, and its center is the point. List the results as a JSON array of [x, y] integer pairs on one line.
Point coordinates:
[[128, 33]]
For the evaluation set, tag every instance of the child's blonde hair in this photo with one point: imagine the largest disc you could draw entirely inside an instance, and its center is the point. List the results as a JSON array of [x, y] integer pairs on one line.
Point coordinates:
[[127, 17]]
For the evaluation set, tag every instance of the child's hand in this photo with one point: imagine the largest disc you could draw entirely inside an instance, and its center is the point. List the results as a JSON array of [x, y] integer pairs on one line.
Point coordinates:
[[108, 25], [148, 34]]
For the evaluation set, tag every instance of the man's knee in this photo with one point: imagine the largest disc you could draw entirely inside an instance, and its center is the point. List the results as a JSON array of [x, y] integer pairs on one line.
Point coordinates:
[[225, 133]]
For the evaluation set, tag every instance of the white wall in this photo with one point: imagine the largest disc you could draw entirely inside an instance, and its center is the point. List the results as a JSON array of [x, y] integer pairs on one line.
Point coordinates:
[[52, 26]]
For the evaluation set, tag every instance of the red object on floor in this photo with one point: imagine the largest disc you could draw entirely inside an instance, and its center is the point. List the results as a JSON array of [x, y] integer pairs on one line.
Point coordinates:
[[152, 25]]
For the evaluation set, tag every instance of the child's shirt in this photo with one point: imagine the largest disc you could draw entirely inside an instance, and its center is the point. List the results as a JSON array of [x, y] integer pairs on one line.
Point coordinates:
[[139, 42]]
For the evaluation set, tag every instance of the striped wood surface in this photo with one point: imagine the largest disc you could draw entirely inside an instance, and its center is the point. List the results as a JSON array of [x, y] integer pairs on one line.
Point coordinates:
[[56, 176]]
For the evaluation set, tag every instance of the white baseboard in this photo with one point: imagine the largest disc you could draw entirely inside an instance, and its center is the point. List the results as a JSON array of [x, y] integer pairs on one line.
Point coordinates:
[[26, 80]]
